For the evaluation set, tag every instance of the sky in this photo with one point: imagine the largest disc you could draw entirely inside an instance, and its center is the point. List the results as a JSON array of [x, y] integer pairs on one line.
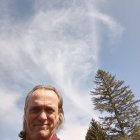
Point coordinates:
[[63, 43]]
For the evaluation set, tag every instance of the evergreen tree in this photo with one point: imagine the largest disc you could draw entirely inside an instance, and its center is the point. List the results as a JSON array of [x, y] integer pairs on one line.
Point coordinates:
[[110, 96], [136, 134], [95, 132]]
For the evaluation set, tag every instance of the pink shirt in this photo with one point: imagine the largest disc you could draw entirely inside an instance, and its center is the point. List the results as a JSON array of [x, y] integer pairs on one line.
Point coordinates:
[[55, 137]]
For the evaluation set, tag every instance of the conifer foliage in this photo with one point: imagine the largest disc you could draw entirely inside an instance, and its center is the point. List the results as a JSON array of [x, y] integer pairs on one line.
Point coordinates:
[[117, 102], [95, 132]]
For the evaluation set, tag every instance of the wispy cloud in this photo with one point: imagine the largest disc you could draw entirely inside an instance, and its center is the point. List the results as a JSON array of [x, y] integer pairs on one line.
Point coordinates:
[[115, 28], [59, 46], [10, 113]]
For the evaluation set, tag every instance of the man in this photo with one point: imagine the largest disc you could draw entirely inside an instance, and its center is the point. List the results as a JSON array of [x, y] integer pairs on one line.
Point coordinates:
[[43, 114]]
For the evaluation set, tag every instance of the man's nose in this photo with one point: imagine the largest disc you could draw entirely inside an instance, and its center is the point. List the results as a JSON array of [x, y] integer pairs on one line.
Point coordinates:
[[43, 115]]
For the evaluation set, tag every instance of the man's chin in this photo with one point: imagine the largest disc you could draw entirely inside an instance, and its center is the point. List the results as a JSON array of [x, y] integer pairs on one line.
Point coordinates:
[[40, 134], [43, 134]]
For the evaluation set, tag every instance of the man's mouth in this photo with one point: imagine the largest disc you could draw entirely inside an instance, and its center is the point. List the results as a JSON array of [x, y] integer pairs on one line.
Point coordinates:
[[44, 125]]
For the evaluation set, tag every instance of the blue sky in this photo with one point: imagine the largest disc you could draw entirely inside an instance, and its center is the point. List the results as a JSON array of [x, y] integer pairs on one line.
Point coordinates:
[[63, 43]]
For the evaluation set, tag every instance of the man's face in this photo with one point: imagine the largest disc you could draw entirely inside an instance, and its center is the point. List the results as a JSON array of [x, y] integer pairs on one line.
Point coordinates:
[[42, 114]]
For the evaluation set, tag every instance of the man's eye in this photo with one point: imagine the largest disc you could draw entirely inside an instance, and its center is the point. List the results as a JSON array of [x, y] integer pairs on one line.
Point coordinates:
[[50, 110], [35, 110]]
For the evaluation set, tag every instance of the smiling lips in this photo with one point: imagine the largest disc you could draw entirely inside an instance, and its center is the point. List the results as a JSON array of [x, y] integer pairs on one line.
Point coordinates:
[[42, 125]]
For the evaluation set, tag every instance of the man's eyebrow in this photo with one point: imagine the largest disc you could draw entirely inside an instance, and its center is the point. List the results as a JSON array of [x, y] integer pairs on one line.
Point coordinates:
[[34, 106], [38, 105]]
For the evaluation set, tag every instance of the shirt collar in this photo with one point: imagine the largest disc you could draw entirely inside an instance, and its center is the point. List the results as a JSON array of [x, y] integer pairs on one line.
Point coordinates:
[[55, 137]]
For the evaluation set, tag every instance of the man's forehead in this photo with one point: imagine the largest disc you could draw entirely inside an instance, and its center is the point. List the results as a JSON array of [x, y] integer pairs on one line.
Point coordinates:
[[43, 94], [41, 98]]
